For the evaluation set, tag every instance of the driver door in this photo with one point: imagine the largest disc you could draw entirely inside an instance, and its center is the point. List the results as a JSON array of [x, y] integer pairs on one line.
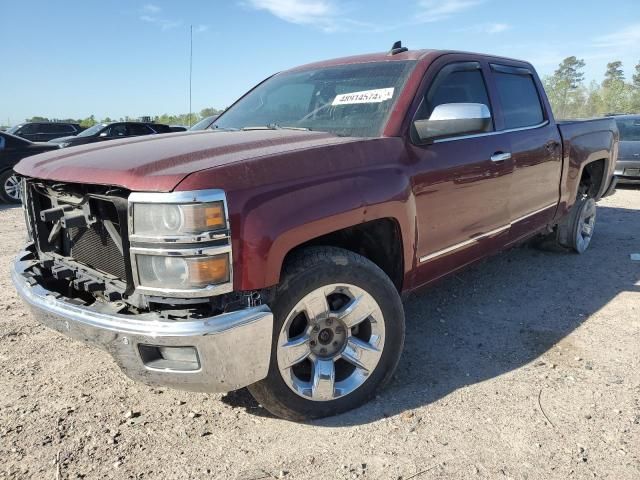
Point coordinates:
[[460, 182]]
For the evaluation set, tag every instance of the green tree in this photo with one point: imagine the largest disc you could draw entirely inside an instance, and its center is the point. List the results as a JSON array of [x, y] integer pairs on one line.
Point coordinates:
[[90, 121], [615, 93], [635, 90], [208, 112], [593, 103], [564, 87], [614, 73]]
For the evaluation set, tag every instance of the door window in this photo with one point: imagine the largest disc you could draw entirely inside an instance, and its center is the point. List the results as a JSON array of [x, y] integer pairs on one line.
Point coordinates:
[[138, 129], [119, 130], [29, 129], [518, 94], [456, 83]]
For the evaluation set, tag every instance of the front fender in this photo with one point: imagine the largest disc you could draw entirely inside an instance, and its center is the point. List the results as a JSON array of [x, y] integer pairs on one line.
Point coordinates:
[[274, 222]]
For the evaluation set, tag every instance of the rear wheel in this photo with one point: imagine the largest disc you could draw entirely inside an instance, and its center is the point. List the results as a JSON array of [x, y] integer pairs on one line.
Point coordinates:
[[576, 232], [337, 338], [9, 187]]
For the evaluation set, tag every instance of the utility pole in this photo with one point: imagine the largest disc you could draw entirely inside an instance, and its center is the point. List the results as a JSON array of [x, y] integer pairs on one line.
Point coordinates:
[[190, 68]]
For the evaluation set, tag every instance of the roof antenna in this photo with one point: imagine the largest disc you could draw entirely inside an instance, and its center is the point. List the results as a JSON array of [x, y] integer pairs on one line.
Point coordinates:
[[397, 48]]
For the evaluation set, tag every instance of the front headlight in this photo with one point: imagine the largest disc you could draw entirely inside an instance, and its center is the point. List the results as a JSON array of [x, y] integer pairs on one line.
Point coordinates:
[[64, 144], [180, 243], [182, 273], [157, 220]]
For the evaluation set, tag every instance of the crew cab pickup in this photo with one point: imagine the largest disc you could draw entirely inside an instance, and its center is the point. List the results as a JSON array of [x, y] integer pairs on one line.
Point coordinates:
[[273, 251]]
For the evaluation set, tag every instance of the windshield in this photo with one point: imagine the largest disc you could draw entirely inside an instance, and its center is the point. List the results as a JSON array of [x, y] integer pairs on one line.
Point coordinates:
[[14, 129], [204, 123], [92, 130], [629, 129], [347, 100]]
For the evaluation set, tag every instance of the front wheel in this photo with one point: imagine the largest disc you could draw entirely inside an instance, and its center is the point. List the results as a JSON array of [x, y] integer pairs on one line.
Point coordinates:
[[337, 338], [9, 187]]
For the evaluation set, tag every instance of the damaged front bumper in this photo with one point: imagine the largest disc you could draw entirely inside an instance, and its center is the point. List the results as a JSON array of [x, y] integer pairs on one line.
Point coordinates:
[[217, 354]]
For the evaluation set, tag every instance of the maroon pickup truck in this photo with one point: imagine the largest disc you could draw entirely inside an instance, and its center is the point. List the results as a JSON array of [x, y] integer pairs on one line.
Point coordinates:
[[273, 251]]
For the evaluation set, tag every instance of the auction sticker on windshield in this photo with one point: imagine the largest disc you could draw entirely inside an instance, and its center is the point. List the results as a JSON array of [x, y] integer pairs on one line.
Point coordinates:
[[365, 96]]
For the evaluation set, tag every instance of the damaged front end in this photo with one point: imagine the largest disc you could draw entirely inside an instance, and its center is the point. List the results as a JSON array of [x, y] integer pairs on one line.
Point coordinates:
[[146, 276]]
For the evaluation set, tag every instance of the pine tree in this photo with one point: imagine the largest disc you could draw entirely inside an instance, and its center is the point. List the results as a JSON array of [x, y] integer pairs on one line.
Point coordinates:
[[564, 87]]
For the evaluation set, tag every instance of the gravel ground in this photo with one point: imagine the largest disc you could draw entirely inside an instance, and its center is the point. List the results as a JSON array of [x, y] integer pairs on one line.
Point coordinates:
[[524, 366]]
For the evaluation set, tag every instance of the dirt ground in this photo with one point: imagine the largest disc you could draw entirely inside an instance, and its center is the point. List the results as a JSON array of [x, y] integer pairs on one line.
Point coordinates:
[[524, 366]]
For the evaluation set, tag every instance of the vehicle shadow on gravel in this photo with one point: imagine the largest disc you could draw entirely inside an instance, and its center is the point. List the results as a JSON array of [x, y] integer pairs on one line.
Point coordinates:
[[9, 206], [497, 316]]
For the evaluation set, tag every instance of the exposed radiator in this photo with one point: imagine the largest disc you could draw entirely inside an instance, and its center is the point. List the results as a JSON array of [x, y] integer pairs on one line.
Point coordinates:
[[94, 247]]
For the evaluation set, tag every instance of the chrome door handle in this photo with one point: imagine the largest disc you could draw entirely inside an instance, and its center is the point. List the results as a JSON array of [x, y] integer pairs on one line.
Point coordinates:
[[500, 157]]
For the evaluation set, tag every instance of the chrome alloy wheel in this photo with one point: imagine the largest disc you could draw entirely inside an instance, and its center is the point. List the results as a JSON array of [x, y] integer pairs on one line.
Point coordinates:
[[331, 342], [12, 187], [586, 224]]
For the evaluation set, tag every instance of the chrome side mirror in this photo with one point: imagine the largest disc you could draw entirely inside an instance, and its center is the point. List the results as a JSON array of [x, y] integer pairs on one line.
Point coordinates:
[[451, 119]]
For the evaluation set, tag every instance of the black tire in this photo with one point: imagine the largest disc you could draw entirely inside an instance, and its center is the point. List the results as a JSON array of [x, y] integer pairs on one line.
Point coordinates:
[[567, 234], [5, 195], [306, 271], [571, 231]]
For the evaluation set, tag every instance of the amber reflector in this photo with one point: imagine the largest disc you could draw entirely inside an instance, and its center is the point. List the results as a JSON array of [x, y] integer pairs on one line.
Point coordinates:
[[209, 270]]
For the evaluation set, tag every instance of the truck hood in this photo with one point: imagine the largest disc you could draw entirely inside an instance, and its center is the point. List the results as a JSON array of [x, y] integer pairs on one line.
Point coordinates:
[[159, 162]]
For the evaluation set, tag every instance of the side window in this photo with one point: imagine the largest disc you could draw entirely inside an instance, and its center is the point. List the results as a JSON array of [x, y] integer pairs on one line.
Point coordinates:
[[457, 83], [159, 128], [137, 129], [518, 94], [118, 130], [29, 128], [49, 128]]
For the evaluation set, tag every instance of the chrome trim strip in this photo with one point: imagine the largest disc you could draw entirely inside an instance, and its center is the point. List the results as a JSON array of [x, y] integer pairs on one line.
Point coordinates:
[[496, 132], [211, 236], [182, 252], [535, 212], [208, 291], [464, 244], [475, 240], [194, 196]]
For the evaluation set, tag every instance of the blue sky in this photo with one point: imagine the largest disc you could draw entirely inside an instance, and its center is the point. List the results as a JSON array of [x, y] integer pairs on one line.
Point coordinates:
[[115, 58]]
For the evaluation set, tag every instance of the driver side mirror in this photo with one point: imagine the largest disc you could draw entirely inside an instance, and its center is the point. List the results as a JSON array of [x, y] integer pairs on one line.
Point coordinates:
[[103, 134], [451, 119]]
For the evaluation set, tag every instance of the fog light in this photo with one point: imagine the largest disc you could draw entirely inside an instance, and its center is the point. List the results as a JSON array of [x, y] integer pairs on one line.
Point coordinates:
[[158, 357]]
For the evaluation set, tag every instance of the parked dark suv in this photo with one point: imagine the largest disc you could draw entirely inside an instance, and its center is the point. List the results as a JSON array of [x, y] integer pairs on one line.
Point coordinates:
[[12, 150], [111, 131], [45, 131]]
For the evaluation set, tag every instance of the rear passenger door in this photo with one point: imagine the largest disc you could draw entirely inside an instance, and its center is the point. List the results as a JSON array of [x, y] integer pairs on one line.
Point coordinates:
[[535, 148]]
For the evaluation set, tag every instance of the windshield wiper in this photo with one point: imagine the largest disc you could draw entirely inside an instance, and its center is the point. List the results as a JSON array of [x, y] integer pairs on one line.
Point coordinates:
[[275, 126]]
